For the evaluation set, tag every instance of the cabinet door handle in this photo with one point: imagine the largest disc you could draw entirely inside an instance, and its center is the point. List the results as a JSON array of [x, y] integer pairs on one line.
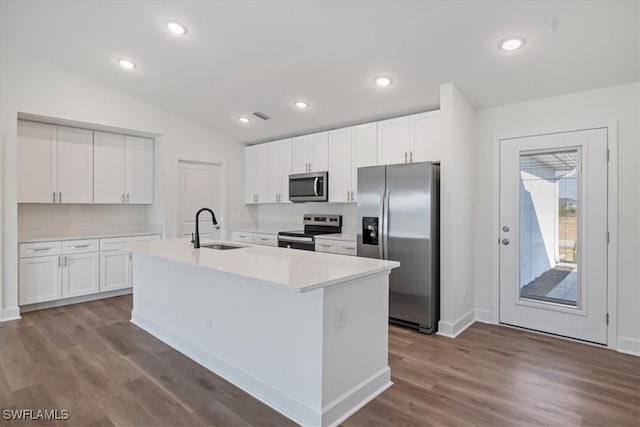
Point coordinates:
[[130, 256], [405, 157], [65, 261], [127, 197], [54, 197], [122, 197], [59, 261], [60, 197], [410, 156]]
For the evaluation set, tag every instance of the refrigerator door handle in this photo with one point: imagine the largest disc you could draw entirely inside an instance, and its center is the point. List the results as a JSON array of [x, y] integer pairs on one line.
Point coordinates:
[[385, 224]]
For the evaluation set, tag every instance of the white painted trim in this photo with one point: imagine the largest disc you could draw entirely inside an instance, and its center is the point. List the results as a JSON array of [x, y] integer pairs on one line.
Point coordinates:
[[629, 346], [612, 214], [452, 330], [223, 190], [351, 402], [484, 316], [75, 300], [11, 314]]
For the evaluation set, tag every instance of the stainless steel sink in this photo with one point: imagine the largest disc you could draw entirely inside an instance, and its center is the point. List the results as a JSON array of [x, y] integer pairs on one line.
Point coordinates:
[[221, 246]]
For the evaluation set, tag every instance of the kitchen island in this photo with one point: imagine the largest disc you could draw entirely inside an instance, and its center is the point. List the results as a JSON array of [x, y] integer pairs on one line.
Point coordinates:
[[304, 332]]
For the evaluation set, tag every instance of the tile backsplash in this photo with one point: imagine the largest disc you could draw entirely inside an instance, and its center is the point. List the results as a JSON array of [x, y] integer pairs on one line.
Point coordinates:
[[50, 215]]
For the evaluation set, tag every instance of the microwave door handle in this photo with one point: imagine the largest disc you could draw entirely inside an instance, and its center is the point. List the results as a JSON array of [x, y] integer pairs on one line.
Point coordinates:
[[315, 186]]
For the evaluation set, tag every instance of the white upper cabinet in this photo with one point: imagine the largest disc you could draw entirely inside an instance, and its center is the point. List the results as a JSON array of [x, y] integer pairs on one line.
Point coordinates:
[[108, 181], [123, 169], [256, 173], [365, 150], [36, 162], [75, 165], [409, 139], [349, 149], [55, 164], [310, 153], [139, 170], [427, 137], [340, 165], [279, 169]]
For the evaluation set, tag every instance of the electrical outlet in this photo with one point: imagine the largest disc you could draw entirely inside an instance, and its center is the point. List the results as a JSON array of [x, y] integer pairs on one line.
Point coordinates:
[[50, 217], [341, 316]]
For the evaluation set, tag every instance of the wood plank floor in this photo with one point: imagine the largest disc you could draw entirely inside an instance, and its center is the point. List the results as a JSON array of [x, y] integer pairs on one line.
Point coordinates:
[[91, 360]]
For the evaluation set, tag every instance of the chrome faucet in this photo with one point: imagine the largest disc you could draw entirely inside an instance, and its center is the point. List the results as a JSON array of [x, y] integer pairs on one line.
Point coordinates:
[[196, 238]]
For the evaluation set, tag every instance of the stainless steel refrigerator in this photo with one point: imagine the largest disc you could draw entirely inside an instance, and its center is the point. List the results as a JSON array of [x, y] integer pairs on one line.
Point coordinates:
[[399, 219]]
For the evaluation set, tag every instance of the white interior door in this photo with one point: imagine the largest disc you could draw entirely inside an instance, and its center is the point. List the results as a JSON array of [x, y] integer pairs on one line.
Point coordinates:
[[553, 233], [200, 187]]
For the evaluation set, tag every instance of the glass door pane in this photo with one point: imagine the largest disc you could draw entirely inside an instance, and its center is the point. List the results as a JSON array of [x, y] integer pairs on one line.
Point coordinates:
[[549, 224]]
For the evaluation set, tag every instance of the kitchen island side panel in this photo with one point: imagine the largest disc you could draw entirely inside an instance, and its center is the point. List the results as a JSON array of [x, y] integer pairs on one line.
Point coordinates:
[[264, 340]]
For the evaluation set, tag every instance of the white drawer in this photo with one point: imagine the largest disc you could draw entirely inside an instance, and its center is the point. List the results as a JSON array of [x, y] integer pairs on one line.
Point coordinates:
[[145, 238], [79, 246], [241, 236], [40, 249], [265, 239], [326, 246], [336, 247], [111, 243]]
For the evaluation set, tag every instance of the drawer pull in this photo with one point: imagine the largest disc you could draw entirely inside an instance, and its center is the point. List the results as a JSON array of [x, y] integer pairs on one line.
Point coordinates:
[[325, 246], [349, 248], [41, 249], [82, 246], [263, 239]]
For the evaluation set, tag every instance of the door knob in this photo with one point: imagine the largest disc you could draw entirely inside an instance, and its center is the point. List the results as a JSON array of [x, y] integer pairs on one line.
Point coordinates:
[[505, 228], [505, 241]]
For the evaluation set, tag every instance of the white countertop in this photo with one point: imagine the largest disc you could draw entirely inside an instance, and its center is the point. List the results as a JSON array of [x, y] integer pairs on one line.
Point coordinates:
[[88, 231], [291, 269], [267, 228], [344, 237]]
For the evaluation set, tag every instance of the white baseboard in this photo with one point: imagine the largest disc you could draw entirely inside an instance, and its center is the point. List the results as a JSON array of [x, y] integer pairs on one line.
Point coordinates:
[[74, 300], [629, 346], [484, 316], [10, 314], [334, 413], [453, 329]]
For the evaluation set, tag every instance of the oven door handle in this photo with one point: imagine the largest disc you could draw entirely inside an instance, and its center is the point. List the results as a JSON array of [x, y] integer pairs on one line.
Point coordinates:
[[315, 185], [295, 239]]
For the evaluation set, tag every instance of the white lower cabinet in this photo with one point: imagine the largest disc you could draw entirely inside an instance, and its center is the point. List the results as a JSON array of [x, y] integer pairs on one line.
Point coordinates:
[[115, 270], [79, 274], [264, 239], [336, 246], [40, 279], [51, 271]]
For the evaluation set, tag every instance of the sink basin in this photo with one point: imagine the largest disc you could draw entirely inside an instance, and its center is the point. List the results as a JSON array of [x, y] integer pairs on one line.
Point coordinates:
[[221, 247]]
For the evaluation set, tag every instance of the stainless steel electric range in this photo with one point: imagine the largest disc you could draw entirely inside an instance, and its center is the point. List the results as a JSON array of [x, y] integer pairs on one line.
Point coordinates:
[[314, 225]]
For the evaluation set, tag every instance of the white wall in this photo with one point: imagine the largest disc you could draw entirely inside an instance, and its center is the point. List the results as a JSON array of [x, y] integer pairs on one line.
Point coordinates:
[[594, 106], [456, 211], [35, 87]]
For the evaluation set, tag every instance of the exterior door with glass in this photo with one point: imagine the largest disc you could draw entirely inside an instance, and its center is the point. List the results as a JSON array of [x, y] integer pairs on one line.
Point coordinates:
[[553, 233]]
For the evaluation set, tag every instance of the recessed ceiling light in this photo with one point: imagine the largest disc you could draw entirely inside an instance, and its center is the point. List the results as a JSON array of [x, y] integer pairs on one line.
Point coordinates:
[[383, 81], [126, 64], [301, 104], [176, 28], [511, 43], [244, 120]]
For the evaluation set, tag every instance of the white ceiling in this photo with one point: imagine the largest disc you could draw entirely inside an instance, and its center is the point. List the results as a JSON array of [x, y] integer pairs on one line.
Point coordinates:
[[239, 57]]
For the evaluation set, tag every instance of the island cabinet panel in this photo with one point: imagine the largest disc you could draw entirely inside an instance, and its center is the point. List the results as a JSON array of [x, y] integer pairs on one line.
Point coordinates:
[[267, 327]]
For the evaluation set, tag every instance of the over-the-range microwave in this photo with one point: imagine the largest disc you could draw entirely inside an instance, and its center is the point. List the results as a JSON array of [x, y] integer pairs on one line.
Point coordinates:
[[309, 187]]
